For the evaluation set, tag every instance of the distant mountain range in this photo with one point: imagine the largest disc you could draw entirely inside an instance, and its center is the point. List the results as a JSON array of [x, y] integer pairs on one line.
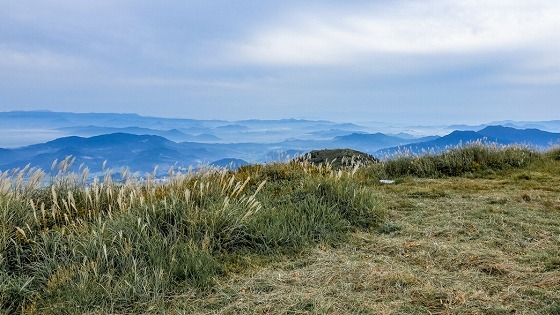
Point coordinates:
[[495, 134], [19, 128], [372, 142], [550, 125], [171, 134], [144, 152], [140, 153], [141, 143]]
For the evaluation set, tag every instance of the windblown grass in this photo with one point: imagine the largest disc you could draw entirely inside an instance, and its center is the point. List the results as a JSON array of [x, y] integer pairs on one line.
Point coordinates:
[[471, 158], [471, 231], [486, 242], [127, 246]]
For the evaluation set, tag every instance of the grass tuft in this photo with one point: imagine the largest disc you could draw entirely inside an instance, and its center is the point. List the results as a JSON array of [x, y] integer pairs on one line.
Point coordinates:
[[111, 246]]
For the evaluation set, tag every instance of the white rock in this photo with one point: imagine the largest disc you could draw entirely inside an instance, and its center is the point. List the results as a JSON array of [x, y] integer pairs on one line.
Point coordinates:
[[386, 181]]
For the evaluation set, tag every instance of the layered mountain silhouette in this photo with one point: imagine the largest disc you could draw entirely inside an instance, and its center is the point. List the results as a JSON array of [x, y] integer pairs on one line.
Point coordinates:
[[531, 136], [141, 143], [491, 134], [171, 134], [141, 153], [372, 142]]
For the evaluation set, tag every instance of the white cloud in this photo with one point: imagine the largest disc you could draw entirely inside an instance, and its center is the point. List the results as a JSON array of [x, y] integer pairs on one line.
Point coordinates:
[[41, 60], [404, 27], [183, 82]]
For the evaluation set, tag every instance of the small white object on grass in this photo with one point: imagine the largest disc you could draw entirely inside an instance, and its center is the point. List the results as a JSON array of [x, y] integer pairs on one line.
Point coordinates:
[[386, 181]]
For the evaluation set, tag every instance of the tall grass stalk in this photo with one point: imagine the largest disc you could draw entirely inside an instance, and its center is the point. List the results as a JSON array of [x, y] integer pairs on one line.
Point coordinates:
[[473, 157], [72, 245]]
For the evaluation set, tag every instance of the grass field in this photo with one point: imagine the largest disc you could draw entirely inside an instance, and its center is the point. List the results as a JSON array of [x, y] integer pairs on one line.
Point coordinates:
[[472, 231]]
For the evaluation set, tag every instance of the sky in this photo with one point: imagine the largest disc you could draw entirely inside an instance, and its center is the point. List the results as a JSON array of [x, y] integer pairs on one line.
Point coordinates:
[[415, 62]]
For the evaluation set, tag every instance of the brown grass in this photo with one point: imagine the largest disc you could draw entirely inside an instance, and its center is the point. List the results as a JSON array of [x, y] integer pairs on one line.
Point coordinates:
[[288, 238], [451, 246]]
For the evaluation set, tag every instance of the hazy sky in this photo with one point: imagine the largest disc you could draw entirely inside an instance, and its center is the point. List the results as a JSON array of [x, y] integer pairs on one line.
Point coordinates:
[[400, 61]]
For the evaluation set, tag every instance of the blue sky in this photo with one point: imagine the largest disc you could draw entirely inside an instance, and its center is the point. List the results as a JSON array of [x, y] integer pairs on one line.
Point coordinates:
[[397, 61]]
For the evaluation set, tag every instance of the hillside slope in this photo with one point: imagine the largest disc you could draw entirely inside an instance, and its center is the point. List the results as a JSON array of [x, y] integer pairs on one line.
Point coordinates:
[[290, 238]]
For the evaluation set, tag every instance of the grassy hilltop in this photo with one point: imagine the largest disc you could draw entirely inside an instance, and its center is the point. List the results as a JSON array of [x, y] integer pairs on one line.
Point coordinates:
[[475, 230]]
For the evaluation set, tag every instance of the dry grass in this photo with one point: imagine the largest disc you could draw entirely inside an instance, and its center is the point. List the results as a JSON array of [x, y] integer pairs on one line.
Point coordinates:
[[131, 245], [287, 239], [488, 245]]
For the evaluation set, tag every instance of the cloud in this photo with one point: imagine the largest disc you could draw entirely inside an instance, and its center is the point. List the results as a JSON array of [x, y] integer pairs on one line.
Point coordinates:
[[282, 58], [42, 60], [182, 82], [342, 36]]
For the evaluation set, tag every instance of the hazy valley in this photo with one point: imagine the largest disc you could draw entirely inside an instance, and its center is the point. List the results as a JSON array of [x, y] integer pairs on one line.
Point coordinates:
[[141, 143]]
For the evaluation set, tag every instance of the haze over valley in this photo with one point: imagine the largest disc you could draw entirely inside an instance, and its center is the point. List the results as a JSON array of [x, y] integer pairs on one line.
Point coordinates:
[[141, 143]]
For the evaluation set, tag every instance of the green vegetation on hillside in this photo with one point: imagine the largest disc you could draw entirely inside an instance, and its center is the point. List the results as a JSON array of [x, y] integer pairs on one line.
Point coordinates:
[[339, 158], [122, 247], [473, 230]]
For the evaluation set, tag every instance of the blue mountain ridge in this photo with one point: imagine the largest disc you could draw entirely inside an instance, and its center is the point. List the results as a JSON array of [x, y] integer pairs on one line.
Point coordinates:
[[531, 136], [120, 149], [493, 134], [144, 152]]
